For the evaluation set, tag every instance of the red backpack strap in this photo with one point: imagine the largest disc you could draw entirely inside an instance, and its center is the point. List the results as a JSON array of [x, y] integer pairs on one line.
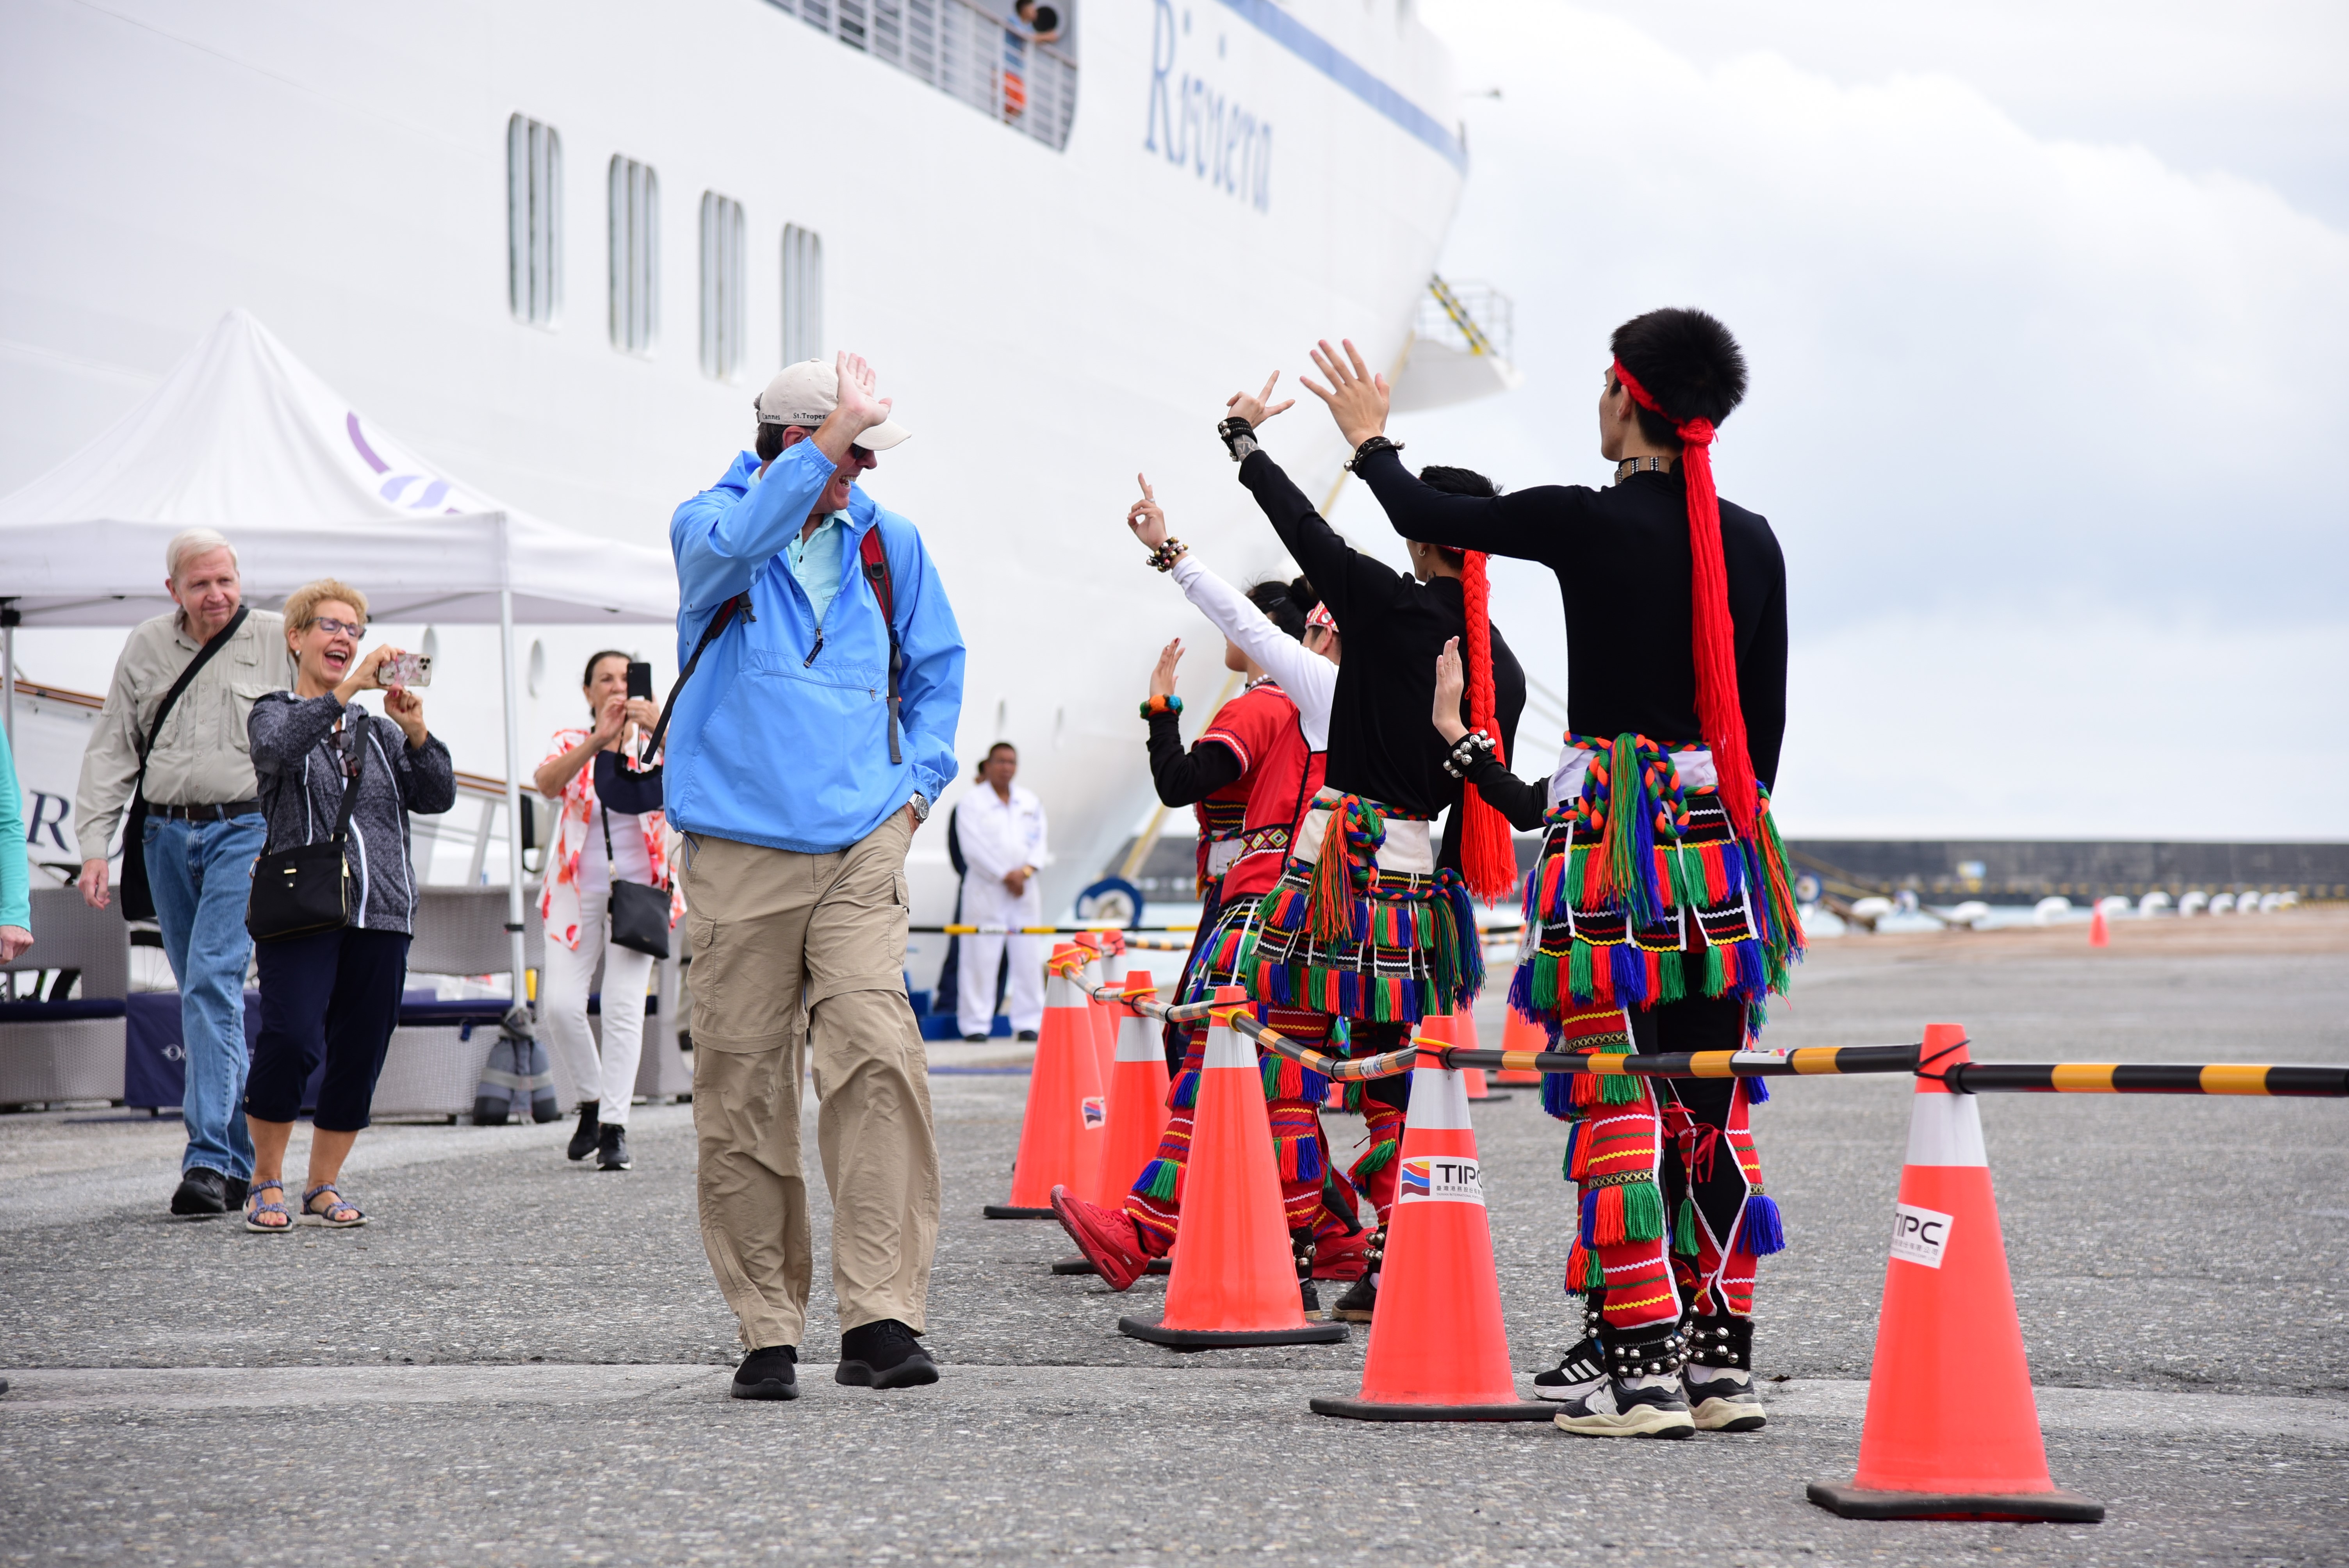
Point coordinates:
[[876, 557]]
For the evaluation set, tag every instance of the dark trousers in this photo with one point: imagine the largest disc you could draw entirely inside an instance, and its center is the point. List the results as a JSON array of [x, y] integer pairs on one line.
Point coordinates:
[[335, 996]]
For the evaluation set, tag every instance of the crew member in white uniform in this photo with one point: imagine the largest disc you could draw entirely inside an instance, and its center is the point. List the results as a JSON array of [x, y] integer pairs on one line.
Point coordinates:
[[1000, 827]]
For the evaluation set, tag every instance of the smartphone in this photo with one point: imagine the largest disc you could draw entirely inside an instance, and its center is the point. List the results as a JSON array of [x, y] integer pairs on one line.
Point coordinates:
[[640, 679], [406, 670]]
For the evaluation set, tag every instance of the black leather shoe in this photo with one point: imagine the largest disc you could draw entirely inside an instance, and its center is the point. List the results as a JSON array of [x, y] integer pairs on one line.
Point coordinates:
[[583, 1142], [1025, 1037], [883, 1354], [768, 1374], [612, 1147], [203, 1192], [236, 1190]]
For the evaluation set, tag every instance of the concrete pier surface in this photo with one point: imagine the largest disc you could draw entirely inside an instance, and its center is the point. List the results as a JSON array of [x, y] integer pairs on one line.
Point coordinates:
[[523, 1361]]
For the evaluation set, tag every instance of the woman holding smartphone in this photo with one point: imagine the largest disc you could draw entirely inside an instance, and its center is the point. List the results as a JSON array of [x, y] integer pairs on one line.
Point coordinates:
[[334, 994], [609, 829]]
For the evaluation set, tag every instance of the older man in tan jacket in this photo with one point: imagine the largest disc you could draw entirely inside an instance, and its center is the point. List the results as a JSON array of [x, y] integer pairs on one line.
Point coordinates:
[[204, 828]]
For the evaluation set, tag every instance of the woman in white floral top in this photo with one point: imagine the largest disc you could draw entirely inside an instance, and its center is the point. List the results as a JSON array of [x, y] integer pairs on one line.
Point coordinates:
[[577, 907]]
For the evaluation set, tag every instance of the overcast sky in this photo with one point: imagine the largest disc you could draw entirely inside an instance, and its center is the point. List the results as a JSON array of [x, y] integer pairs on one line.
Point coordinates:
[[2047, 307]]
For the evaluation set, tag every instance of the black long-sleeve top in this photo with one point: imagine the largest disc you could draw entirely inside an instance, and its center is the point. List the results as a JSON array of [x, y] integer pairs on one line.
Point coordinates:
[[1523, 804], [1187, 778], [1621, 556], [1381, 744], [301, 746]]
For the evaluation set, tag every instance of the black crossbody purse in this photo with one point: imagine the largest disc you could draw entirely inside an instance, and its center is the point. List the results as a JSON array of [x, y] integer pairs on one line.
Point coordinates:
[[305, 890], [639, 911]]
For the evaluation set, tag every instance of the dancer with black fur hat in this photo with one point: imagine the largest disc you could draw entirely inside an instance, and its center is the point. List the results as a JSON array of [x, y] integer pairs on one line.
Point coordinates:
[[1658, 916]]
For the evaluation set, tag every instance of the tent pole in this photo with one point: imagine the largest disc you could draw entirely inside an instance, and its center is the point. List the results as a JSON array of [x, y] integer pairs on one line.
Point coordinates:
[[513, 798], [9, 615]]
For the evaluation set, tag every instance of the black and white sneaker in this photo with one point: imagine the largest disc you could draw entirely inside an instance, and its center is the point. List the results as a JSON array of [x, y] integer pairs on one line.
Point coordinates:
[[883, 1354], [1642, 1406], [1718, 1376], [583, 1141], [1578, 1373], [768, 1374], [612, 1147], [1721, 1399]]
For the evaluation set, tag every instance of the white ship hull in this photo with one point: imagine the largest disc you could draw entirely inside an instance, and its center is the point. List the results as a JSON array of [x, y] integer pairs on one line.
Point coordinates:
[[1238, 177]]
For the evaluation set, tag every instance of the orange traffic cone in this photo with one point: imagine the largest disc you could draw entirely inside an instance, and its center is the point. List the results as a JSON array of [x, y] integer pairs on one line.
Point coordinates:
[[1060, 1142], [1235, 1279], [2099, 934], [1520, 1033], [1952, 1431], [1463, 1034], [1137, 1113], [1438, 1351], [1105, 1023]]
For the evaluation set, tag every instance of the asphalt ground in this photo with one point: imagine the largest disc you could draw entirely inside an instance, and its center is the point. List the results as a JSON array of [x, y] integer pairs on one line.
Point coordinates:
[[523, 1361]]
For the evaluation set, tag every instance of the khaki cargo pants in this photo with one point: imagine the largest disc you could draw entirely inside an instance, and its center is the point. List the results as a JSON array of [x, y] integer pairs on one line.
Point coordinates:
[[798, 958]]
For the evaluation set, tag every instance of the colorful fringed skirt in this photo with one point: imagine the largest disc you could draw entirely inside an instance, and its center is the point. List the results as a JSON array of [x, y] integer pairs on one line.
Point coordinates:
[[1637, 865], [1362, 925], [1293, 1095]]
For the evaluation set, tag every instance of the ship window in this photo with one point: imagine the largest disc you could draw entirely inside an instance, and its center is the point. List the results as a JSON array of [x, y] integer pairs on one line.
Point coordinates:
[[802, 294], [721, 286], [636, 255], [533, 221]]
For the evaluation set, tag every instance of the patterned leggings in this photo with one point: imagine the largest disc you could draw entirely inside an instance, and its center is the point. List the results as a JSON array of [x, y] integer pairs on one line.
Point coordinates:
[[1671, 1214]]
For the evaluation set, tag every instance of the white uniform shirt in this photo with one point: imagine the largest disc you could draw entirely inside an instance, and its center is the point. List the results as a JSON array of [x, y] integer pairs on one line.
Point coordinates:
[[999, 836]]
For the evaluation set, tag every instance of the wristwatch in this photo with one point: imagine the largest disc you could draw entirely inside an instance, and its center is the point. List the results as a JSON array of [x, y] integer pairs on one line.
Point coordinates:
[[921, 805]]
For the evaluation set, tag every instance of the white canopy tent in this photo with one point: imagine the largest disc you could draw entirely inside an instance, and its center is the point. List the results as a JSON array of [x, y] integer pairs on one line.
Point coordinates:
[[242, 437]]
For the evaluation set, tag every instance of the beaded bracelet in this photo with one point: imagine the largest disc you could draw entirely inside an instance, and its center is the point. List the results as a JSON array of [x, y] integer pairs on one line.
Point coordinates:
[[1375, 444], [1153, 706], [1464, 757], [1165, 557], [1239, 437]]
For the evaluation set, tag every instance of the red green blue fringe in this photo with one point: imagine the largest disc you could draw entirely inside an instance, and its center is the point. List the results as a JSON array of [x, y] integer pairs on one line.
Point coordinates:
[[1684, 1232], [1287, 1080], [1374, 1159], [1185, 1092], [1757, 1090], [1158, 1179], [1763, 1232], [1583, 1273], [1622, 1212]]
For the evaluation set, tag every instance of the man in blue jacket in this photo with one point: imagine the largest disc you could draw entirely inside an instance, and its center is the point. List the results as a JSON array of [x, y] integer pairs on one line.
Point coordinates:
[[818, 728]]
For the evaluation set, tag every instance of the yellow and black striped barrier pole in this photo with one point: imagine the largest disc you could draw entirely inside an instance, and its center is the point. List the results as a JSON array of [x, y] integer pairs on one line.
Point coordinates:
[[1804, 1061]]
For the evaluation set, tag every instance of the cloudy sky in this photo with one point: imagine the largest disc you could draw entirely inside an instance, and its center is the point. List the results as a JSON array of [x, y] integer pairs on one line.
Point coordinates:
[[2048, 310]]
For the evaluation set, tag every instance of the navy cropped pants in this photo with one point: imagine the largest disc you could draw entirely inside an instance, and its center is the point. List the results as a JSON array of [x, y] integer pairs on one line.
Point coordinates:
[[334, 994]]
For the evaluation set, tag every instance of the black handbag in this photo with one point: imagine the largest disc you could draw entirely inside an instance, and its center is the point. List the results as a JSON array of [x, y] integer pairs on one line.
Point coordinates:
[[639, 911], [136, 899], [306, 890]]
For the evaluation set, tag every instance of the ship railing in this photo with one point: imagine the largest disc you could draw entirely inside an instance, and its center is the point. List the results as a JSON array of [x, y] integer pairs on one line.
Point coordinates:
[[964, 50], [1473, 318]]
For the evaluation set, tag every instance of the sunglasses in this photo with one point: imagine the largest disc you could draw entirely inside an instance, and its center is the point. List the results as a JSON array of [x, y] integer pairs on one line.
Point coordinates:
[[347, 628]]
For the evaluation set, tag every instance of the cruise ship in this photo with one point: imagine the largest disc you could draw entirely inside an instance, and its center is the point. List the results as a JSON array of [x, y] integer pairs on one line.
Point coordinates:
[[557, 249]]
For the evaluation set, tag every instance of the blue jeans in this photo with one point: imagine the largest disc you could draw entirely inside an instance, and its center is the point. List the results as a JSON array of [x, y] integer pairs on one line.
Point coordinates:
[[201, 874]]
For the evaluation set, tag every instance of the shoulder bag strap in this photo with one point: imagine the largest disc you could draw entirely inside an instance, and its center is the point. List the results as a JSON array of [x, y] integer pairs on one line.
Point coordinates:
[[163, 709], [709, 635], [358, 718], [876, 571]]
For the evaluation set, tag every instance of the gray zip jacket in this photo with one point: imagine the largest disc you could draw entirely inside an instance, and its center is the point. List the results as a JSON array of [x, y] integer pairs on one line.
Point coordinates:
[[299, 756]]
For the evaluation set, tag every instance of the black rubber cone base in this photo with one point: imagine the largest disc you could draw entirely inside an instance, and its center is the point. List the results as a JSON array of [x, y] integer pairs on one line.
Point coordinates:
[[1212, 1339], [1005, 1212], [1492, 1095], [2051, 1507], [1363, 1410], [1085, 1266]]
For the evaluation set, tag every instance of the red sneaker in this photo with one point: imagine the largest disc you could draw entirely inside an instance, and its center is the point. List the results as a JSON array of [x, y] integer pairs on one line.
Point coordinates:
[[1341, 1256], [1106, 1237]]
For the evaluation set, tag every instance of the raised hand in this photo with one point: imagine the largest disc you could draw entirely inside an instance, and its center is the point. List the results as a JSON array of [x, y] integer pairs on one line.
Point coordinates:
[[1148, 522], [1253, 409], [1162, 675], [1451, 681], [610, 719], [1356, 398], [406, 710], [858, 401]]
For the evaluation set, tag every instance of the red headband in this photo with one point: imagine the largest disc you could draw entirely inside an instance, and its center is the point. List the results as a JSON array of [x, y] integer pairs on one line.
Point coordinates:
[[1714, 641]]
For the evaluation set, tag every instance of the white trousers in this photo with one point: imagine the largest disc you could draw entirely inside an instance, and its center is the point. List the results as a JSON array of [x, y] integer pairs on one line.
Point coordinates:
[[562, 1006], [975, 981]]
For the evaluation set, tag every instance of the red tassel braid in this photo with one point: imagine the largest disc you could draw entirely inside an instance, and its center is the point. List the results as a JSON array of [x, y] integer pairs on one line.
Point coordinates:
[[1714, 643], [1488, 854]]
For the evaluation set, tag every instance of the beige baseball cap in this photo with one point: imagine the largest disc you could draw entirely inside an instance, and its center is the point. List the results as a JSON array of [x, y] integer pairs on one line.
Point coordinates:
[[806, 392]]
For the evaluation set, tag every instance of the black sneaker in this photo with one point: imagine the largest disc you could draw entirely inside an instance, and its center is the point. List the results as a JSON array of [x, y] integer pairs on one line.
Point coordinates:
[[203, 1192], [768, 1374], [1362, 1298], [1722, 1401], [883, 1354], [612, 1147], [1578, 1373], [236, 1189], [1026, 1037], [583, 1142], [974, 1040]]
